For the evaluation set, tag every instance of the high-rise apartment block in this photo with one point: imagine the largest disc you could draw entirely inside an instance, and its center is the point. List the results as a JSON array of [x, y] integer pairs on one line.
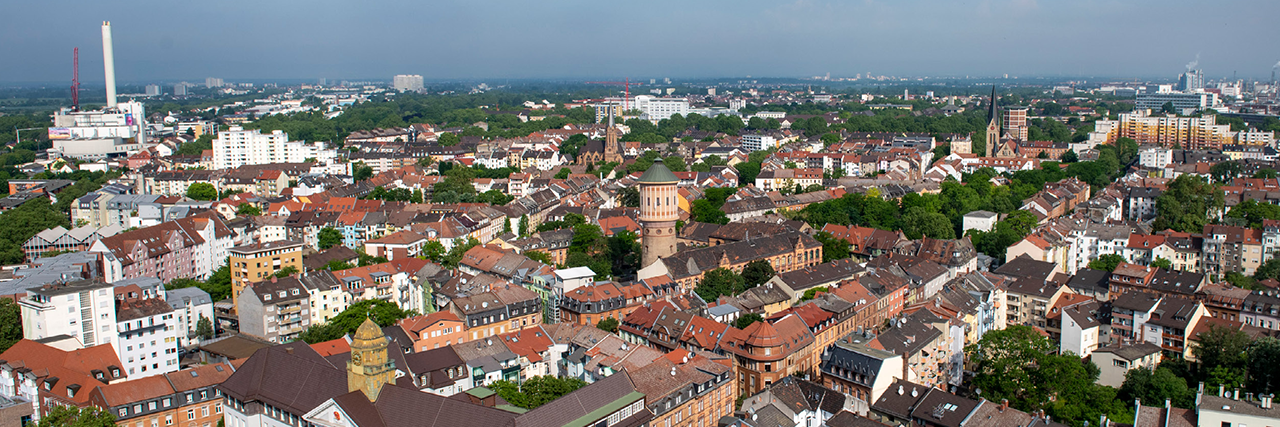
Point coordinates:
[[1014, 119], [212, 82], [758, 142], [153, 90], [403, 82], [237, 147]]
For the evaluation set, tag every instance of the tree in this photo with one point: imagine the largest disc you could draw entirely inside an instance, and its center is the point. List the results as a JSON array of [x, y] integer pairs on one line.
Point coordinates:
[[338, 265], [1167, 108], [449, 139], [629, 197], [382, 312], [747, 319], [1023, 366], [918, 222], [1224, 172], [541, 257], [248, 209], [202, 191], [1187, 204], [1152, 387], [70, 416], [705, 211], [328, 237], [675, 163], [1222, 356], [10, 324], [832, 248], [812, 293], [1250, 213], [204, 328], [434, 250], [1265, 173], [1107, 262], [757, 272], [524, 223], [1264, 365], [1070, 157], [535, 391], [1161, 262], [360, 172], [563, 173], [608, 324], [720, 281], [287, 271]]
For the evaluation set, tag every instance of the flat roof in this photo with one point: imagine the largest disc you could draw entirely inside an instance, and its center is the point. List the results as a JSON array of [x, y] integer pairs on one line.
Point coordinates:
[[575, 273]]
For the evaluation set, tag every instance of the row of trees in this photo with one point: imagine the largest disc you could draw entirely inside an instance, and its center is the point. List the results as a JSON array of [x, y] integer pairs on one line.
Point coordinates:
[[723, 281]]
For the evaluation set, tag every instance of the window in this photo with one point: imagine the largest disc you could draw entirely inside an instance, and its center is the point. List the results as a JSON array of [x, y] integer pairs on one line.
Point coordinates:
[[191, 414]]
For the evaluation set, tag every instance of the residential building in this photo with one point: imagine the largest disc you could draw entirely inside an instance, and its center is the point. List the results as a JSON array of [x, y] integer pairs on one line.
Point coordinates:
[[1115, 360], [1228, 248], [148, 336], [767, 352], [237, 147], [758, 142], [692, 390], [83, 310], [191, 247], [44, 377], [980, 220], [190, 305], [852, 367], [1190, 133], [435, 330], [256, 262], [406, 82], [274, 310]]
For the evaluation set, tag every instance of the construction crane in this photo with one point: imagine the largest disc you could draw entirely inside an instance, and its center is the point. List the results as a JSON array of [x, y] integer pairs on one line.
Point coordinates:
[[75, 79], [626, 102]]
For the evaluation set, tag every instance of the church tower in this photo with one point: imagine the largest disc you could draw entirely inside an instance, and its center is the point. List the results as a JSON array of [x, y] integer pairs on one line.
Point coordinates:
[[993, 128], [369, 368], [612, 153], [659, 211]]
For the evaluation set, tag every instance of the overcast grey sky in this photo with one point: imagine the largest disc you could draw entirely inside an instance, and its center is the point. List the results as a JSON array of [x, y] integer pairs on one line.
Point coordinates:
[[270, 39]]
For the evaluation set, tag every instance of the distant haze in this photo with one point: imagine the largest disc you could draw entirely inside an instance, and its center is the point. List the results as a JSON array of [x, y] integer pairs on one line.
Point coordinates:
[[287, 39]]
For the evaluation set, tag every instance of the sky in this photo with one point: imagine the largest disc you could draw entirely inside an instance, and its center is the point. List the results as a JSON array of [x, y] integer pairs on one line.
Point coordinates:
[[166, 41]]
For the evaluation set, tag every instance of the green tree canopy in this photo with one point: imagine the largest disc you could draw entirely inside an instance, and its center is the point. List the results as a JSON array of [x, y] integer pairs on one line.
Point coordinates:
[[70, 416], [382, 312], [1222, 356], [747, 319], [536, 391], [608, 324], [720, 281], [10, 324], [1107, 262], [202, 191], [328, 237], [757, 272], [1152, 387]]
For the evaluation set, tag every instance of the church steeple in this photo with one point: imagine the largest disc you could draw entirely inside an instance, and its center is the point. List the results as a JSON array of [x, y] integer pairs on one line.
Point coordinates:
[[370, 368], [611, 151], [993, 128]]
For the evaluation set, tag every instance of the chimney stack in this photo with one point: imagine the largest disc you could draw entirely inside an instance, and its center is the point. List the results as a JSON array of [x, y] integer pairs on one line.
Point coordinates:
[[109, 64], [1004, 404], [1266, 400], [1235, 395]]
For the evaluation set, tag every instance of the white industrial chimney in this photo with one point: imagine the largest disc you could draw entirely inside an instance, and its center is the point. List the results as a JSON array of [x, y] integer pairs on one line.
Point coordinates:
[[109, 64]]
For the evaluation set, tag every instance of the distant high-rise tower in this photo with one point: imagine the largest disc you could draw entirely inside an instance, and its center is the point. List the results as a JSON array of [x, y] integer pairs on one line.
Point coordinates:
[[403, 82], [993, 128], [369, 368], [1014, 120], [1191, 81], [659, 211]]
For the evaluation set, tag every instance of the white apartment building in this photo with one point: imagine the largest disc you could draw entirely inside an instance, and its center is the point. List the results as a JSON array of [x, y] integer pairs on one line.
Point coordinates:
[[758, 142], [655, 108], [1255, 137], [238, 147], [1155, 156], [148, 331], [403, 82], [189, 306], [84, 310]]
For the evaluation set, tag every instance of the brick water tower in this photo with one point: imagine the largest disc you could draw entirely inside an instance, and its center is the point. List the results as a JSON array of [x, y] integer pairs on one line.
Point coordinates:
[[659, 211]]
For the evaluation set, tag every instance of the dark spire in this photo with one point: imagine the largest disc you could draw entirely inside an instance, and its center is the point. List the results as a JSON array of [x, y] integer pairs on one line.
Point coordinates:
[[991, 115]]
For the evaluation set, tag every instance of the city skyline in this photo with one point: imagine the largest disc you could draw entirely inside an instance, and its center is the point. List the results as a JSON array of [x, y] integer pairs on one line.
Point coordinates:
[[243, 41]]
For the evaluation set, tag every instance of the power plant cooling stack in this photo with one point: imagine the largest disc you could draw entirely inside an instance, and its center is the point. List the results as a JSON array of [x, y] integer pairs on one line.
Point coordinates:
[[109, 64]]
